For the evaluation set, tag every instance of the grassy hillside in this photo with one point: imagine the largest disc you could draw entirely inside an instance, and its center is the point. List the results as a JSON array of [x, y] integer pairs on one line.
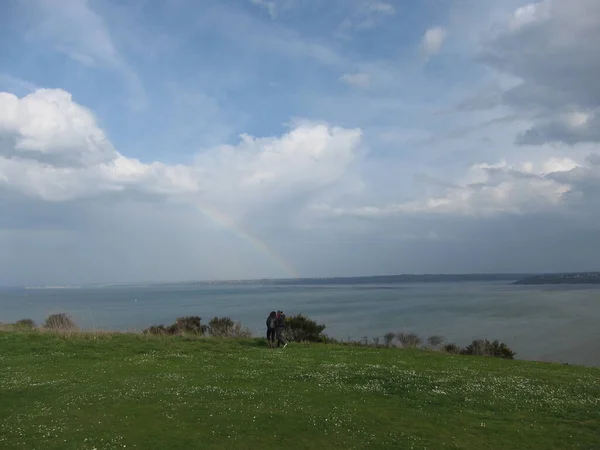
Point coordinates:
[[130, 391]]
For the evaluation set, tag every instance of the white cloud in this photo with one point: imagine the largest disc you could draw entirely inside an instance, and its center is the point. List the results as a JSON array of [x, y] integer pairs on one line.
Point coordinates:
[[432, 42], [261, 172], [492, 190], [52, 148], [529, 14], [49, 127], [359, 80]]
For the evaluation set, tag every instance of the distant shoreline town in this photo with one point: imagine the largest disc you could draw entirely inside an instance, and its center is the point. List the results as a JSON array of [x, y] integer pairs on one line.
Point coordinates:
[[517, 279], [564, 278]]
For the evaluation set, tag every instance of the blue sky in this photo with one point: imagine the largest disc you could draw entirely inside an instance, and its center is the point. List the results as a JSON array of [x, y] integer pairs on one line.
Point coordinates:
[[424, 136]]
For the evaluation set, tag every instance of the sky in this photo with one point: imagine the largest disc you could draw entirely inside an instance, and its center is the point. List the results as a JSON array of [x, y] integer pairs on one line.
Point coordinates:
[[172, 140]]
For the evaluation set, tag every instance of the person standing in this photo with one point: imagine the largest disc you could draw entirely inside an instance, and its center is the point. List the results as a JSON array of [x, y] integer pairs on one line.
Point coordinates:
[[281, 329], [271, 328]]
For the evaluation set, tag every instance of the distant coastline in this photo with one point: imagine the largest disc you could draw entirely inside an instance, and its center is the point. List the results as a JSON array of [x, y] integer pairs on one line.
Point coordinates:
[[375, 279], [514, 278], [324, 281], [385, 279], [562, 278]]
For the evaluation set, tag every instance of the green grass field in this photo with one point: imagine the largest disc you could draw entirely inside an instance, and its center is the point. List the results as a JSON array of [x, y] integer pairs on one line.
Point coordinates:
[[132, 391]]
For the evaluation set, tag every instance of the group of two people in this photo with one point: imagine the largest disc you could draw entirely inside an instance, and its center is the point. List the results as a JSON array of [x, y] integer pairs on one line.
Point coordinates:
[[275, 328]]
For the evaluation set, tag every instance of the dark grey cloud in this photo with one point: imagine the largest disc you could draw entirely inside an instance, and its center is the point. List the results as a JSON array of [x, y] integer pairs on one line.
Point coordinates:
[[570, 130], [551, 47]]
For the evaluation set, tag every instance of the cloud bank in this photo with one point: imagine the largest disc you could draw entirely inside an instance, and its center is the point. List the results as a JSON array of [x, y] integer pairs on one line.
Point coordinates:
[[333, 156]]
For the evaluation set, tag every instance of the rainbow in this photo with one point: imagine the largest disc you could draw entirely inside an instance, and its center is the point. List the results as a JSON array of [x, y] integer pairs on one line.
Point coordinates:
[[226, 222]]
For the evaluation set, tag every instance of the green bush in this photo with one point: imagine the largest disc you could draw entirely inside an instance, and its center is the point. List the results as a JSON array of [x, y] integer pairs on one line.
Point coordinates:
[[217, 327], [451, 349], [59, 321], [188, 324], [156, 330], [24, 324], [300, 328], [225, 327], [329, 340], [495, 349], [220, 326]]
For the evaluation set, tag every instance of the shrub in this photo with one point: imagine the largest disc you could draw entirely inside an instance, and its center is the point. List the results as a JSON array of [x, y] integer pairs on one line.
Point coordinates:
[[477, 347], [187, 324], [330, 340], [495, 349], [451, 349], [25, 324], [59, 321], [351, 343], [225, 327], [435, 341], [388, 338], [501, 350], [155, 329], [220, 326], [300, 328], [408, 340]]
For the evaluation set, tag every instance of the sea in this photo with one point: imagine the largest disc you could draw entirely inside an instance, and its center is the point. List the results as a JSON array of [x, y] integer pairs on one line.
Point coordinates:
[[553, 323]]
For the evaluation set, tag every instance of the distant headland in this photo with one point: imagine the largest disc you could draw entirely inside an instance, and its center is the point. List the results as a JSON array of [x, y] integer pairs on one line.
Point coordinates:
[[563, 278]]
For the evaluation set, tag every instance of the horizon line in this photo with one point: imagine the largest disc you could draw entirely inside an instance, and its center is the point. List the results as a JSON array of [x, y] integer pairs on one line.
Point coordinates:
[[246, 280]]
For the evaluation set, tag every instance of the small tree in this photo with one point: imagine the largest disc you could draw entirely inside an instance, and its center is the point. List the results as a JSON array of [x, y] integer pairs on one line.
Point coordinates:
[[435, 341], [388, 338], [300, 328], [59, 321], [408, 340]]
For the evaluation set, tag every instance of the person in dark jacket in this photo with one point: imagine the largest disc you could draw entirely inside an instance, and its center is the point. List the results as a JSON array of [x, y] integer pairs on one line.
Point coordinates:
[[280, 329], [271, 328]]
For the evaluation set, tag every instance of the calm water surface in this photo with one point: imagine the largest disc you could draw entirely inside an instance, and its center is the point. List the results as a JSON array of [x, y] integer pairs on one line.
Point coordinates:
[[546, 323]]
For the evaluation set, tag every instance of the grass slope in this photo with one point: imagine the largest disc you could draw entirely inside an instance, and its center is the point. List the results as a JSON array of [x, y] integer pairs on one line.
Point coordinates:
[[128, 391]]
